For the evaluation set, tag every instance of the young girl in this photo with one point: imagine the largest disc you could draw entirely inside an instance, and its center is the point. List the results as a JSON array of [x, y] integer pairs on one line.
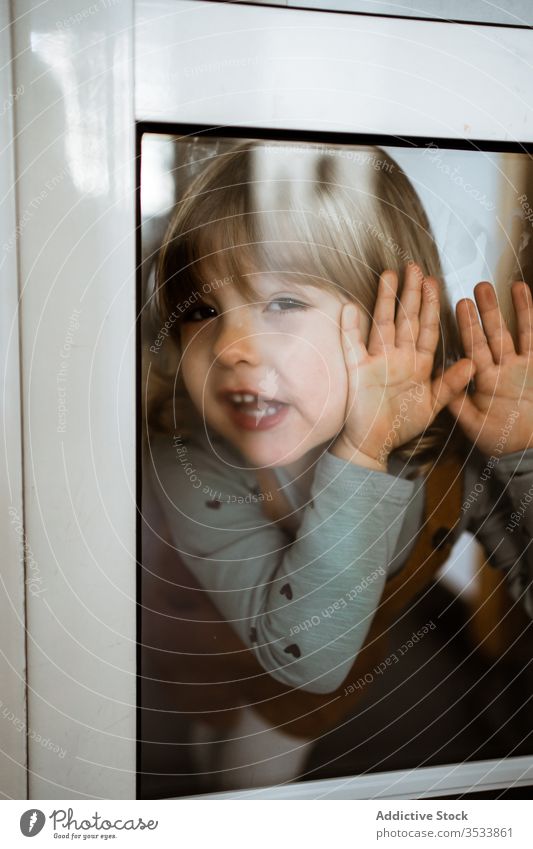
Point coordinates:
[[316, 391]]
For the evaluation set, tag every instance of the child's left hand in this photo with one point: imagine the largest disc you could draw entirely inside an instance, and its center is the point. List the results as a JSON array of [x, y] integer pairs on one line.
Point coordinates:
[[498, 415]]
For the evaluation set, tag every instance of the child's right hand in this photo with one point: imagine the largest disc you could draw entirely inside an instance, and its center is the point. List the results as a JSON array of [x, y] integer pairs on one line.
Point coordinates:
[[391, 394]]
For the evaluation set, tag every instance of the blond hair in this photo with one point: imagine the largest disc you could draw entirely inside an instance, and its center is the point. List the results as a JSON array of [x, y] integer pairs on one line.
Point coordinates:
[[335, 220]]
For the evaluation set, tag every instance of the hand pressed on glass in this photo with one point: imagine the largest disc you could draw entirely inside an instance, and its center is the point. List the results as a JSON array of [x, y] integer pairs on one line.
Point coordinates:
[[504, 376]]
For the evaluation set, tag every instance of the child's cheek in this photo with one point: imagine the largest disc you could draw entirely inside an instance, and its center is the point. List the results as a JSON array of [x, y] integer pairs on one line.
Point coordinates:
[[327, 379], [337, 377], [193, 377]]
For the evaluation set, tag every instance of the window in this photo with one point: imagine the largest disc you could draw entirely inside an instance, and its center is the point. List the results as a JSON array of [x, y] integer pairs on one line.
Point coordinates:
[[446, 678]]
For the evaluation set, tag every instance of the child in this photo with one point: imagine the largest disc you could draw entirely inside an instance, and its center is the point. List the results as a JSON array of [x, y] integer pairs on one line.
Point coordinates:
[[317, 391]]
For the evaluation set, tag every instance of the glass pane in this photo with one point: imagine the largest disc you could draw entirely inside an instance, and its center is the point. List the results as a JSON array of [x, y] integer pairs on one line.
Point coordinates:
[[317, 597]]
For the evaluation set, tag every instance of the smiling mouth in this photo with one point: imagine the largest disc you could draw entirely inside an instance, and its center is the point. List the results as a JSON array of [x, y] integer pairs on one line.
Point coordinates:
[[253, 411], [258, 407]]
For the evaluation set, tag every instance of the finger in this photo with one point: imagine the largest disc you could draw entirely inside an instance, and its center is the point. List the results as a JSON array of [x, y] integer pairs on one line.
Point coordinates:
[[472, 335], [448, 384], [428, 336], [352, 337], [523, 304], [383, 330], [500, 340], [409, 307], [467, 414]]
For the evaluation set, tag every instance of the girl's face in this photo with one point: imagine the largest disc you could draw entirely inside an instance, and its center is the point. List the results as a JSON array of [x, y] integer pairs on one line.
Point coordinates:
[[268, 375]]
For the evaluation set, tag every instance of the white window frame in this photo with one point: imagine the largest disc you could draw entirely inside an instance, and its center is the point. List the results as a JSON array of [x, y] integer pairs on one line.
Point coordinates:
[[75, 194], [13, 753]]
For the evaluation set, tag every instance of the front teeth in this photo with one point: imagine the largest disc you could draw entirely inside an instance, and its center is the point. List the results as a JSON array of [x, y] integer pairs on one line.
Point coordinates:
[[245, 398], [259, 414]]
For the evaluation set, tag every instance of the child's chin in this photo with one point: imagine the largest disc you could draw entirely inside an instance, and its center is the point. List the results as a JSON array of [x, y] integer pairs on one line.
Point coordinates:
[[273, 458], [264, 460]]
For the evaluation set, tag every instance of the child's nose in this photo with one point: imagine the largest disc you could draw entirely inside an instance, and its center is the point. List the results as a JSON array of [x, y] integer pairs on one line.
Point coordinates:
[[238, 338]]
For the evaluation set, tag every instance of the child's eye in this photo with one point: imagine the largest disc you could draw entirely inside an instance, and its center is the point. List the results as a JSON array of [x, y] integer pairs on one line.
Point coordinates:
[[198, 313], [287, 304]]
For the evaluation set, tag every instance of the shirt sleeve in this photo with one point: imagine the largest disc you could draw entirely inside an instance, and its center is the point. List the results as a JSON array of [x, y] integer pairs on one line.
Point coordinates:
[[516, 472], [502, 519], [303, 604]]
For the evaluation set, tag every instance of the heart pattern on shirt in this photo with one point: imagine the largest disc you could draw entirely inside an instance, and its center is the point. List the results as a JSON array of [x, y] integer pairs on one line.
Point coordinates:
[[214, 505], [293, 649], [286, 590]]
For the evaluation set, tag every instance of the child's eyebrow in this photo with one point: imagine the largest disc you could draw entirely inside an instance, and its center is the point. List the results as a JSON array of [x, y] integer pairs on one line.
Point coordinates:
[[306, 286]]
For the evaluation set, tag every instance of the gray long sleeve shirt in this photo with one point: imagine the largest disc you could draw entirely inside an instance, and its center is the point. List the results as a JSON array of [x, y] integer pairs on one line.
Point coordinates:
[[304, 602]]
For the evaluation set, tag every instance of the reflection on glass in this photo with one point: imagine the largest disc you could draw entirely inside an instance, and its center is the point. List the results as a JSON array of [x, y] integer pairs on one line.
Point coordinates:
[[306, 612]]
